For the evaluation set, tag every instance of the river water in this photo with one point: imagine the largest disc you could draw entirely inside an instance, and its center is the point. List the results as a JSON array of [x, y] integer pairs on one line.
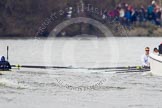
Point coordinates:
[[78, 87]]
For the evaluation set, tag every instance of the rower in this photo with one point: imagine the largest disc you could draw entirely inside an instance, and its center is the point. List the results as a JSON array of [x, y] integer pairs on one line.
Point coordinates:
[[145, 58], [4, 65], [3, 59]]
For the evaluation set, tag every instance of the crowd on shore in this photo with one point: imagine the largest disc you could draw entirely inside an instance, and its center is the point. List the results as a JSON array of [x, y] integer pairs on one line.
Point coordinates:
[[129, 15]]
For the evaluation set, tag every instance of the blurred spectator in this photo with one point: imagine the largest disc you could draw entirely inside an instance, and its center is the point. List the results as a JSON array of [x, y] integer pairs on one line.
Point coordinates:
[[69, 13], [127, 14]]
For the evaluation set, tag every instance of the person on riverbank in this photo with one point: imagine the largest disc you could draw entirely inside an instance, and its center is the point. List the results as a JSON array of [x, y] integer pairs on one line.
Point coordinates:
[[158, 17], [128, 14], [145, 58]]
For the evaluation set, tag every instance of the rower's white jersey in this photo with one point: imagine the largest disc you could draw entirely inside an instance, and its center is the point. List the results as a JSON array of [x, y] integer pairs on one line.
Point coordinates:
[[145, 60]]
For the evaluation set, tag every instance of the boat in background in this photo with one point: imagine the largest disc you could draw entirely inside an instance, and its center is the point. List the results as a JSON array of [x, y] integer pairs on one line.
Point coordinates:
[[156, 64]]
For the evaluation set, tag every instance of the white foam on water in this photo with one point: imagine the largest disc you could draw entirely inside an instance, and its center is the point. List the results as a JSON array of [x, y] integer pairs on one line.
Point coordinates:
[[147, 73], [151, 73], [12, 84]]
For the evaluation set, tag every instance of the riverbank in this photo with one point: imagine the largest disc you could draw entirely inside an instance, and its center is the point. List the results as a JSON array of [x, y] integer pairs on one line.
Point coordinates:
[[25, 18], [148, 30]]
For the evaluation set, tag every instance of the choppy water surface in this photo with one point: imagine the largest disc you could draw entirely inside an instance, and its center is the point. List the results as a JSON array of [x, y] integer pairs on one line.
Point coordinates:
[[78, 88]]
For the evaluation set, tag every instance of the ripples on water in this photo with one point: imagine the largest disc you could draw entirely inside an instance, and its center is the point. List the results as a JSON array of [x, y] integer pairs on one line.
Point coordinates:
[[127, 89], [78, 88]]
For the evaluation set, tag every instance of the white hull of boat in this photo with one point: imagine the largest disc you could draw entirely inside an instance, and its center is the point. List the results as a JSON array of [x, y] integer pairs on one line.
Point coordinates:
[[156, 64]]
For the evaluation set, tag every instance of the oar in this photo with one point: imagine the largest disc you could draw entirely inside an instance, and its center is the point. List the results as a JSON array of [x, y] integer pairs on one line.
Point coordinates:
[[70, 67], [131, 71], [127, 70], [7, 52], [125, 67], [40, 67]]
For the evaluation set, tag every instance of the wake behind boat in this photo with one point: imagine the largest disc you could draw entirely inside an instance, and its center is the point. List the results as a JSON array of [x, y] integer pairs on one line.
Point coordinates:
[[156, 64]]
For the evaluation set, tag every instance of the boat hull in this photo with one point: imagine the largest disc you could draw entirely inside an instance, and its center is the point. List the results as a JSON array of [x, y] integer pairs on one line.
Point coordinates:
[[156, 64]]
